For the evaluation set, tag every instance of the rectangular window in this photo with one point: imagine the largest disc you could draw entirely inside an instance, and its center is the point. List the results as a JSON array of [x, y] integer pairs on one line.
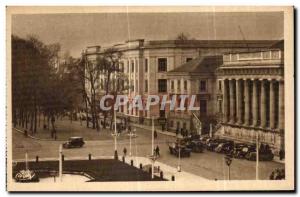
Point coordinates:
[[220, 85], [162, 64], [162, 85], [146, 85], [202, 86], [185, 85], [146, 65]]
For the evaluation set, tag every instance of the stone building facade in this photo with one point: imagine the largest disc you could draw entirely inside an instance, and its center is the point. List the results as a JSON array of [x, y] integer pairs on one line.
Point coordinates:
[[147, 63], [196, 77], [250, 96]]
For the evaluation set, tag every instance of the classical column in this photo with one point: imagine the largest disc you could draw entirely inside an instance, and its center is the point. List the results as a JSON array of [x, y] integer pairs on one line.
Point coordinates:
[[239, 101], [225, 101], [254, 103], [281, 105], [263, 105], [247, 102], [232, 101], [272, 105]]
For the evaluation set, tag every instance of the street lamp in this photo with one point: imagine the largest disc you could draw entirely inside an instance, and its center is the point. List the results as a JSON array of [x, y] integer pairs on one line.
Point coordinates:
[[130, 136], [115, 135], [179, 155], [228, 161], [152, 156]]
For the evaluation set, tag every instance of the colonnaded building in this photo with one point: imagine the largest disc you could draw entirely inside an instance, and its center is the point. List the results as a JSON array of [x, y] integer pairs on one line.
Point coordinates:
[[171, 67], [251, 96]]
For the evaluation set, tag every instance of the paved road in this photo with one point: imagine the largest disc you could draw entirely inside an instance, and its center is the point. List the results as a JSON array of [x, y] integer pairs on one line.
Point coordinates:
[[208, 164]]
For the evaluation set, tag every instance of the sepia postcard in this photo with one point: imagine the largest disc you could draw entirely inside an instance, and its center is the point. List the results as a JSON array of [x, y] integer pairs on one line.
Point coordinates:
[[139, 99]]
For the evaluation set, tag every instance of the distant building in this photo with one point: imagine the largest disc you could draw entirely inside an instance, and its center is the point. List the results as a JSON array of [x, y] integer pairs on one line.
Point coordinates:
[[251, 96], [147, 65], [196, 77]]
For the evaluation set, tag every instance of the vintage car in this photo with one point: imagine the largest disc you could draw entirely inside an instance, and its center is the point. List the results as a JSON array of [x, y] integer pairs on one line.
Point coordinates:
[[184, 151], [213, 143], [265, 154], [196, 146], [26, 176], [74, 142], [241, 150], [225, 147]]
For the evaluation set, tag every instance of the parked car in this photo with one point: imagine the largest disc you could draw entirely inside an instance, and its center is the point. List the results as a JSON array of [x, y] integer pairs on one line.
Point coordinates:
[[242, 149], [225, 147], [184, 151], [265, 154], [213, 143], [74, 142], [196, 146]]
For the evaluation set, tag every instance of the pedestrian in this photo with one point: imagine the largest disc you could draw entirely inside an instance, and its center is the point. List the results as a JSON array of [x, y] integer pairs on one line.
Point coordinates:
[[155, 134], [177, 131], [125, 151], [181, 132], [157, 151]]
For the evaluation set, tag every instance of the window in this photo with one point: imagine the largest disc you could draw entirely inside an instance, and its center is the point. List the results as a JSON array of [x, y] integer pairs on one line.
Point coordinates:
[[202, 86], [162, 85], [172, 85], [178, 85], [203, 107], [185, 85], [146, 85], [146, 65], [220, 85], [162, 64], [188, 59]]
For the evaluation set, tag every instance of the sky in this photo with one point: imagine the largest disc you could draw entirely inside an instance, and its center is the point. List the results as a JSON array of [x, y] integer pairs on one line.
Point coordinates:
[[77, 31]]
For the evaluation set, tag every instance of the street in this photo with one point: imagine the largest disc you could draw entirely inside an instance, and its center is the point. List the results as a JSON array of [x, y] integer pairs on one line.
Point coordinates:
[[209, 165]]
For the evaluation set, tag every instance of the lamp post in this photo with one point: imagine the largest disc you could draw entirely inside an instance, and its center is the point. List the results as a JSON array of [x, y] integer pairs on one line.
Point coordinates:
[[26, 161], [257, 156], [152, 156], [152, 149], [130, 141], [60, 162], [179, 155], [228, 160]]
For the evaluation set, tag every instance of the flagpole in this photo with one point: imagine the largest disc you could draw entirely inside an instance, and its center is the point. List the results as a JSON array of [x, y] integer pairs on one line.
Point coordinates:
[[152, 150]]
